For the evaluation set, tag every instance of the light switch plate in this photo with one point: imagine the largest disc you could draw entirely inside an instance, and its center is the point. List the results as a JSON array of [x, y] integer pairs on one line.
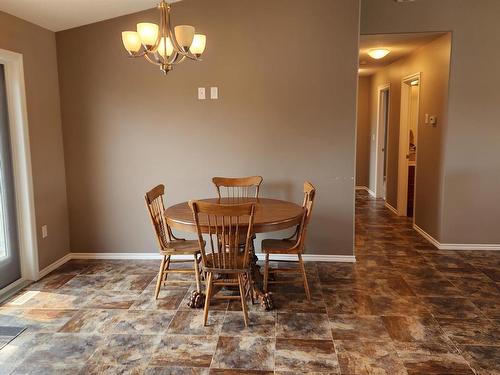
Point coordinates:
[[214, 93], [201, 93], [45, 231]]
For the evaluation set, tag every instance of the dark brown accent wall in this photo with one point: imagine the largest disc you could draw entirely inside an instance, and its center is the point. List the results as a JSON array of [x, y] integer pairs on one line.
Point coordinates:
[[286, 73]]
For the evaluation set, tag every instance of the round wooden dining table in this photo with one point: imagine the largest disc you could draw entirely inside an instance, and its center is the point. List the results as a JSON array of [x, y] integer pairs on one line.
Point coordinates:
[[270, 215]]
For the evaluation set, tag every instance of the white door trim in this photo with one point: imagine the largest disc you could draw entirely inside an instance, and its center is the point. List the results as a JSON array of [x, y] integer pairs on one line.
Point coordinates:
[[402, 201], [21, 159], [379, 141]]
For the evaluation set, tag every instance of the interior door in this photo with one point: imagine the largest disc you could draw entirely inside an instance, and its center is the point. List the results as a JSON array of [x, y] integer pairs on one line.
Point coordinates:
[[10, 264], [385, 113]]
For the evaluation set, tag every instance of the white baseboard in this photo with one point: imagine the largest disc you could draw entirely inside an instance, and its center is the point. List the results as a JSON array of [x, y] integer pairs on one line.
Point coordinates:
[[51, 267], [455, 246], [426, 235], [391, 208], [118, 256], [367, 189], [145, 256]]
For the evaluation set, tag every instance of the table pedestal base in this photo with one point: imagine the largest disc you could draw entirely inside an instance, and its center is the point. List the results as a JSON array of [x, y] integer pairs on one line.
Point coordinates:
[[196, 300], [265, 299]]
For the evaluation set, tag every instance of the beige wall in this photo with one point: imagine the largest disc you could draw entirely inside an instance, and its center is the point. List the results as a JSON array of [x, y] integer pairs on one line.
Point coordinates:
[[38, 47], [284, 113], [471, 164], [433, 62], [363, 132]]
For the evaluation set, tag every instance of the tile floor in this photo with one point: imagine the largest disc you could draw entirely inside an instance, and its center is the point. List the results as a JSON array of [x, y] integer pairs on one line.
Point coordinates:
[[403, 308]]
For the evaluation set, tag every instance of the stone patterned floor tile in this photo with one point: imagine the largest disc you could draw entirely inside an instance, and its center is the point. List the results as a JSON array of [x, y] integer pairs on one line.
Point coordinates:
[[452, 307], [151, 370], [89, 321], [348, 302], [260, 324], [141, 322], [191, 323], [306, 355], [168, 299], [403, 308], [471, 331], [485, 360], [125, 350], [303, 326], [184, 351], [217, 371], [51, 281], [252, 353], [358, 328], [384, 305], [113, 300], [370, 357], [36, 320], [414, 329], [47, 349]]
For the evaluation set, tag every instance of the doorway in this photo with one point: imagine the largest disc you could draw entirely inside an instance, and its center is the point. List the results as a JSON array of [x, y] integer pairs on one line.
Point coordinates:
[[408, 139], [10, 259], [382, 134]]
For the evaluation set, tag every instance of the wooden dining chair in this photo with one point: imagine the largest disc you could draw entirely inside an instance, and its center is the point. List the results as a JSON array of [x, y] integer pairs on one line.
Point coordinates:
[[239, 187], [170, 246], [223, 260], [291, 245]]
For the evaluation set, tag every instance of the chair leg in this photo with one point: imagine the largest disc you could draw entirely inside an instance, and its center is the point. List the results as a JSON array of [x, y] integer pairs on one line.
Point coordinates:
[[197, 274], [304, 277], [165, 269], [207, 298], [160, 277], [243, 299], [250, 287], [266, 273]]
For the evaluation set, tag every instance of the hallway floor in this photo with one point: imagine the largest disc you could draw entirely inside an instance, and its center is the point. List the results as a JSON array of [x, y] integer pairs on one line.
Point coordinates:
[[403, 308]]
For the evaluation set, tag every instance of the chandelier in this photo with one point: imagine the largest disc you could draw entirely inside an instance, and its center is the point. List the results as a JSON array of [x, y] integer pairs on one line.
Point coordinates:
[[163, 45]]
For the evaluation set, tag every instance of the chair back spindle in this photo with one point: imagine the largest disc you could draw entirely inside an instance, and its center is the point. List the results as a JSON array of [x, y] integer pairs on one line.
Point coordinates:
[[241, 187], [224, 224]]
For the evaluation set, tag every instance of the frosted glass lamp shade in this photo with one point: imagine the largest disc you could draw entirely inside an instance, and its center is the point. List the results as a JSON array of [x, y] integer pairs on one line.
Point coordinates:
[[184, 35], [378, 53], [131, 41], [199, 44], [165, 42], [148, 32]]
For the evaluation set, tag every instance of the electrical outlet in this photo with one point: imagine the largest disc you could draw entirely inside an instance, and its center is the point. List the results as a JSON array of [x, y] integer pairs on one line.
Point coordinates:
[[45, 231], [201, 93]]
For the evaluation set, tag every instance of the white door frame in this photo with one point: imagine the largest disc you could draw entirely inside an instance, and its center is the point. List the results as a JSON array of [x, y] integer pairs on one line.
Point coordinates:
[[21, 159], [402, 203], [379, 141]]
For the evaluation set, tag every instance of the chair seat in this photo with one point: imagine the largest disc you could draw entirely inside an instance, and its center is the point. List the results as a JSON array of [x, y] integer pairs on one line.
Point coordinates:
[[271, 246], [182, 248]]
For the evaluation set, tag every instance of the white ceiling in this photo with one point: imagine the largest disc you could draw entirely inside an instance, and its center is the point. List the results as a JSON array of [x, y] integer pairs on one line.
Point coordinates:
[[400, 45], [57, 15]]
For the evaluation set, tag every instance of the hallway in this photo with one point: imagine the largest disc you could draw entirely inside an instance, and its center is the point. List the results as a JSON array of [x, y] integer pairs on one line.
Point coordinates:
[[437, 306]]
